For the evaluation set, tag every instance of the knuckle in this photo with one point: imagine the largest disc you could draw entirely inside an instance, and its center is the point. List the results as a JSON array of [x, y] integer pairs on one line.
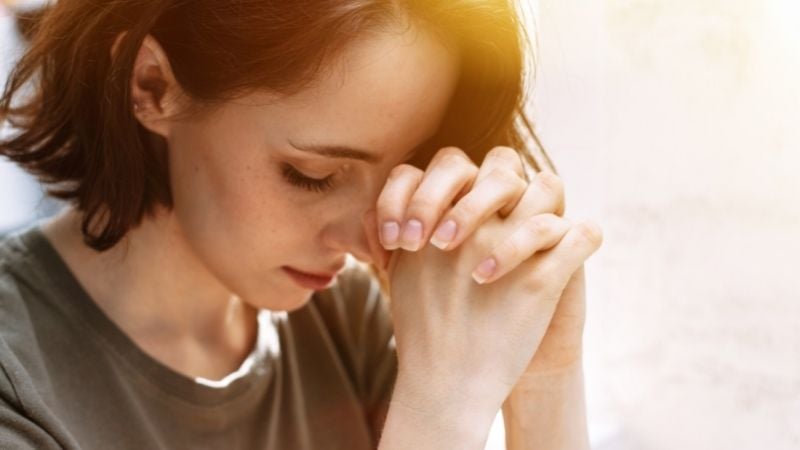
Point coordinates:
[[510, 251], [421, 205], [517, 184], [404, 169], [386, 210], [467, 210], [448, 153], [590, 232], [505, 175], [536, 281], [521, 182], [509, 184], [452, 161], [550, 182], [503, 152], [537, 225], [545, 277]]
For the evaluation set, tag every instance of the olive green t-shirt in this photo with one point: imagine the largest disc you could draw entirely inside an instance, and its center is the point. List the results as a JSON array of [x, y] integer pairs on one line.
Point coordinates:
[[319, 377]]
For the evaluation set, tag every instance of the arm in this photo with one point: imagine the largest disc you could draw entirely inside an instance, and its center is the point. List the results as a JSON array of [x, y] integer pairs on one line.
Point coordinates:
[[547, 411], [435, 418]]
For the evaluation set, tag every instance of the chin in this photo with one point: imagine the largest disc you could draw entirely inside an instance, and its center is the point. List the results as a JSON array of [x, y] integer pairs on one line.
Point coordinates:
[[288, 302]]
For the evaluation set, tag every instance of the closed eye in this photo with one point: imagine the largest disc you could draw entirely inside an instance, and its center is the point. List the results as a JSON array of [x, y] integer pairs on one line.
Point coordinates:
[[295, 178]]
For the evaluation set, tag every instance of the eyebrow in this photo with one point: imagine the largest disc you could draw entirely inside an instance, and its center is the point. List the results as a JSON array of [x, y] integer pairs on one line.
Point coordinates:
[[343, 151], [338, 151]]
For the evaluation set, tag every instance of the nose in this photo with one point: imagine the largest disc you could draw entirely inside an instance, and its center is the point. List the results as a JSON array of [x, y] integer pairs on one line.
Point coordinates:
[[357, 234]]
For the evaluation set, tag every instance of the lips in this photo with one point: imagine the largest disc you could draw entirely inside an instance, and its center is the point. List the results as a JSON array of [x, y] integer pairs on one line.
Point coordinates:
[[311, 280], [315, 274]]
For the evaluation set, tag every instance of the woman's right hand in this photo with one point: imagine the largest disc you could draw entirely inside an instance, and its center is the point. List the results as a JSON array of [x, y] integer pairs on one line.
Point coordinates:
[[465, 344]]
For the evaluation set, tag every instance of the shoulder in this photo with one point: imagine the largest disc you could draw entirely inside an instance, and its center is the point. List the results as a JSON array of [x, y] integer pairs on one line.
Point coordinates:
[[25, 318], [14, 315], [17, 283], [15, 324], [12, 252], [21, 364]]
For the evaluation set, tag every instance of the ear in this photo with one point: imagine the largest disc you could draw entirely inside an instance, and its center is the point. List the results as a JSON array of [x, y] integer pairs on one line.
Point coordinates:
[[154, 90]]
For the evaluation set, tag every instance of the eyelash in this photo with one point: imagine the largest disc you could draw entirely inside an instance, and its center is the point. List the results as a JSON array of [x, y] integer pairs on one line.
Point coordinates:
[[296, 178]]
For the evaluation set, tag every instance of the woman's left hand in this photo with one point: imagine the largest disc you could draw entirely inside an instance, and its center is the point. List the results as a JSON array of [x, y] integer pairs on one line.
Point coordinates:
[[454, 196]]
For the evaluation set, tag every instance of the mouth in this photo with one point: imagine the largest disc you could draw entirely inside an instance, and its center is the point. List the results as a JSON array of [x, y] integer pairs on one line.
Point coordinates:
[[308, 280]]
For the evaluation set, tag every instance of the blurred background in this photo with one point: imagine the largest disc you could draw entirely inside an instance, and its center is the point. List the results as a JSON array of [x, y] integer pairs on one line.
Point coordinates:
[[21, 198], [676, 126]]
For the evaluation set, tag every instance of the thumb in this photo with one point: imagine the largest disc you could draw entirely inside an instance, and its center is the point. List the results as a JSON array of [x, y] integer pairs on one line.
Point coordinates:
[[380, 255]]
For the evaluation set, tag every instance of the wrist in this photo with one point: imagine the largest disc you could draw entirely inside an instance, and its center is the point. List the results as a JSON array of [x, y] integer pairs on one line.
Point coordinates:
[[426, 414], [428, 391], [554, 363], [432, 395], [547, 410]]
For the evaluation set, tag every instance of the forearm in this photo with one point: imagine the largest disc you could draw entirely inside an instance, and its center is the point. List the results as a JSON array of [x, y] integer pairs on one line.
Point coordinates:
[[547, 411], [422, 419]]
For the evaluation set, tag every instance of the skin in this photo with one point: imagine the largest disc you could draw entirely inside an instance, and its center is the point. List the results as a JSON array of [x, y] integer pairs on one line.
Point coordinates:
[[187, 283], [197, 272]]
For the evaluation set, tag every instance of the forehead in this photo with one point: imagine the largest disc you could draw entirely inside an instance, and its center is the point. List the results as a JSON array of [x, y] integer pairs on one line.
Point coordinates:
[[386, 94]]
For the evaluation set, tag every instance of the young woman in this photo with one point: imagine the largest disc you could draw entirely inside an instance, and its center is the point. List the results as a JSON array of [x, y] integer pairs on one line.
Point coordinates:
[[220, 160]]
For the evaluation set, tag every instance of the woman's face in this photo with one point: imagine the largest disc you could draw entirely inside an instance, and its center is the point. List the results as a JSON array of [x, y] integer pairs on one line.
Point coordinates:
[[237, 172]]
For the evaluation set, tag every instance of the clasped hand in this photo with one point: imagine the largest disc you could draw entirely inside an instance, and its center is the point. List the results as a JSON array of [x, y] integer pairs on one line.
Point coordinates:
[[479, 304]]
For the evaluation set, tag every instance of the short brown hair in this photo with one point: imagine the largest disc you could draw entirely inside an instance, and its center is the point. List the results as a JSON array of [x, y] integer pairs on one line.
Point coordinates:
[[77, 132]]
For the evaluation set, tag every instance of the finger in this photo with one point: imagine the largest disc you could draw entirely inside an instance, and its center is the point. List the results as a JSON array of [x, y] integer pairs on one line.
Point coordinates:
[[449, 173], [500, 188], [378, 255], [467, 214], [545, 194], [501, 156], [393, 200], [557, 265], [539, 232]]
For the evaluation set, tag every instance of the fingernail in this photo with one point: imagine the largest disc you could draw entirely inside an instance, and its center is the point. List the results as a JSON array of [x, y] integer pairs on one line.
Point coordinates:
[[390, 231], [412, 234], [444, 234], [484, 270]]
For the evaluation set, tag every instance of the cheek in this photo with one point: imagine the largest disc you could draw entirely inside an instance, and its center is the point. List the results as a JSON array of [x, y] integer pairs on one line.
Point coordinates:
[[222, 177], [236, 213]]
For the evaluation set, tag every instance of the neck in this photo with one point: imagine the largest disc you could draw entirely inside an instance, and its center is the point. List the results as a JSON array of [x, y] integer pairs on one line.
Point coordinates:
[[157, 290]]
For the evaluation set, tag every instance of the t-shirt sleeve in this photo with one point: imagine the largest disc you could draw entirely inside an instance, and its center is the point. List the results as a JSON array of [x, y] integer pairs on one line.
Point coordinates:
[[357, 314], [17, 431]]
